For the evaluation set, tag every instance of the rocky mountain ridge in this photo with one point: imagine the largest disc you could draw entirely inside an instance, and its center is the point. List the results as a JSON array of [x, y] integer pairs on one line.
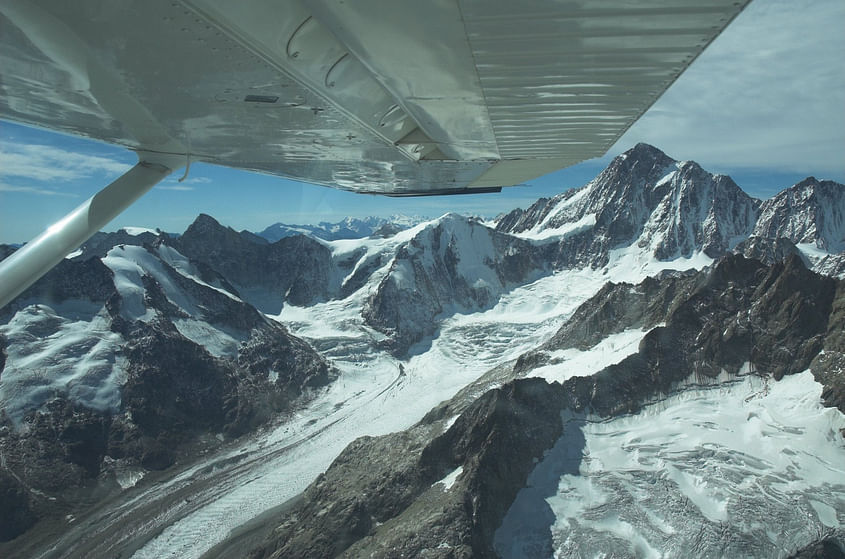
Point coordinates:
[[643, 204], [175, 349], [118, 365], [672, 209], [442, 488]]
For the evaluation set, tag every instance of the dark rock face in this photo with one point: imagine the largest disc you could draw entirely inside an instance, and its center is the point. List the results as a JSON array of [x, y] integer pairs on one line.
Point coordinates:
[[16, 516], [768, 250], [457, 265], [380, 498], [176, 394], [812, 211], [829, 367], [295, 269], [174, 389], [89, 280], [667, 207], [827, 548]]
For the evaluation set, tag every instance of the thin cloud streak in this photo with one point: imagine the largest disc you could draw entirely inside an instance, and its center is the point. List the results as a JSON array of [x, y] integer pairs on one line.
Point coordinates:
[[191, 180], [35, 190], [48, 163]]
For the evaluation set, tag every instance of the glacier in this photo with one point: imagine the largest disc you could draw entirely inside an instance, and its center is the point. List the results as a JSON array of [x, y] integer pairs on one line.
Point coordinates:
[[746, 468]]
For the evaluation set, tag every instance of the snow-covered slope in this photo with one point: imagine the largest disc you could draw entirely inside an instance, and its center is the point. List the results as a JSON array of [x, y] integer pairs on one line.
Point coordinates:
[[746, 468]]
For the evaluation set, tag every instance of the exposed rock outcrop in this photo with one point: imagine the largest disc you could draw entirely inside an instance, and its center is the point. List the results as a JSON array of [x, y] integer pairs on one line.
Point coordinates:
[[157, 365], [454, 265], [441, 488]]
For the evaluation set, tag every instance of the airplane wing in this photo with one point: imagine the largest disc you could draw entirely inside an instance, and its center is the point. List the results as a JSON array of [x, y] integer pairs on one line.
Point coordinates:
[[386, 96], [395, 97]]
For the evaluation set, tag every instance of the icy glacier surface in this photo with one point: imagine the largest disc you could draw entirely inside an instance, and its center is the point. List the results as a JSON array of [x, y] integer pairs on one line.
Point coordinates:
[[752, 468]]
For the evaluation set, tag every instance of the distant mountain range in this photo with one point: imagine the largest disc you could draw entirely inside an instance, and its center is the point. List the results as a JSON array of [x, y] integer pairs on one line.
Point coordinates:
[[349, 228], [250, 364]]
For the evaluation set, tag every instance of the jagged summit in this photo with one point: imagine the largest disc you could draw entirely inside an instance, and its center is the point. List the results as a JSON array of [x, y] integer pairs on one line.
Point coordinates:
[[810, 212], [645, 198]]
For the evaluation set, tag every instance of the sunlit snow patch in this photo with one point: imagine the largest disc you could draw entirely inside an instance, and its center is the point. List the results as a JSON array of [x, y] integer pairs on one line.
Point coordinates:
[[451, 478], [135, 231], [573, 362], [541, 233]]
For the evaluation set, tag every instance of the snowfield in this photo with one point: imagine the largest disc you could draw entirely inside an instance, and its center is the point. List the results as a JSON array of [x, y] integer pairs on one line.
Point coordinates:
[[372, 398]]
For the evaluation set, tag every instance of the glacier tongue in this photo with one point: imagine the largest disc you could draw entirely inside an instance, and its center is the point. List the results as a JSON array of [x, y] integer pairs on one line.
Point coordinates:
[[751, 468]]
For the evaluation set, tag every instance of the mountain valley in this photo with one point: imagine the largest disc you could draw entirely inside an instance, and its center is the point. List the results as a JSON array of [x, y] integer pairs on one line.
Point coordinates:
[[642, 367]]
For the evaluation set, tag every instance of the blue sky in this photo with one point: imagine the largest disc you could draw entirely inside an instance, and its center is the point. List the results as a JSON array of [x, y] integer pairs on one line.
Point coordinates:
[[764, 104]]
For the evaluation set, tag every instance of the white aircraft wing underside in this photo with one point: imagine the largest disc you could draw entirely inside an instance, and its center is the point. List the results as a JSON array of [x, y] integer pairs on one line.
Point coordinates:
[[394, 97]]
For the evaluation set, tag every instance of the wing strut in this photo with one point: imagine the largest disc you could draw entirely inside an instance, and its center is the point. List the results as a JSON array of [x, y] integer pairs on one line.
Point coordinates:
[[37, 257]]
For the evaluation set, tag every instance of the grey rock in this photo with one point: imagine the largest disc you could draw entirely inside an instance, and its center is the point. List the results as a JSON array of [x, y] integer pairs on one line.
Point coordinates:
[[455, 265], [381, 496], [812, 211], [295, 269]]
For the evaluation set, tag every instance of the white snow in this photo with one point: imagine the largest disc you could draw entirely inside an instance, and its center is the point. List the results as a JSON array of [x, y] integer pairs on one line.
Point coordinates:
[[402, 274], [451, 478], [65, 348], [127, 280], [540, 233], [811, 250], [135, 231], [572, 362], [631, 264], [213, 339], [705, 467]]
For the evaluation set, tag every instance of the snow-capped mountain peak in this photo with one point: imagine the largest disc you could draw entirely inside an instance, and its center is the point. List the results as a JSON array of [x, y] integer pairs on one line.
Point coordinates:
[[646, 199], [810, 212]]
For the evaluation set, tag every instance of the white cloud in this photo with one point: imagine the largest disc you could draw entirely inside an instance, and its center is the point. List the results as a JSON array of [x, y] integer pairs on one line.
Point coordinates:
[[174, 180], [768, 93], [34, 190], [48, 163], [177, 187]]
